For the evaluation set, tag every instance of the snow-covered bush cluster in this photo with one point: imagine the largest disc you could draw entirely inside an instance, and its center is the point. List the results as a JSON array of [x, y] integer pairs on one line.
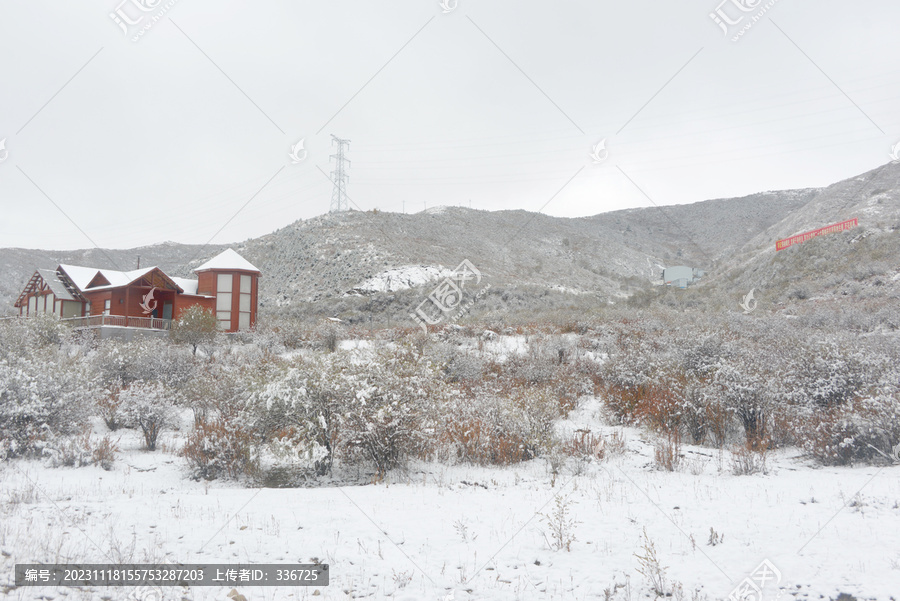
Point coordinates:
[[80, 450], [834, 394], [149, 406], [146, 360], [262, 403], [44, 392], [220, 448], [374, 409]]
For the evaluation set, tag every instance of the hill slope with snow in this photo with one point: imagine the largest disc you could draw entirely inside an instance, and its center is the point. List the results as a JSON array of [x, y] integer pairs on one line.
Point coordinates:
[[610, 255]]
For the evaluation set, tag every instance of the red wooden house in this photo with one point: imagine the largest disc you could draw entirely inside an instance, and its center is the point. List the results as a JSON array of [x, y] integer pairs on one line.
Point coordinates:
[[227, 284]]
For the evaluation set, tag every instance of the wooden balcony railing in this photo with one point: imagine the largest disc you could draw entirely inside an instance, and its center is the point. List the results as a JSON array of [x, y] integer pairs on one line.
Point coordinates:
[[96, 321]]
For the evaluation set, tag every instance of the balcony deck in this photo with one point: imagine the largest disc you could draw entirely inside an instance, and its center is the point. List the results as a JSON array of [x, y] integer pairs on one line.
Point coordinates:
[[121, 321]]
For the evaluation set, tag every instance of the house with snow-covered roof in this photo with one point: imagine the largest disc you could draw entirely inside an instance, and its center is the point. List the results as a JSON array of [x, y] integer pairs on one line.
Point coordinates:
[[149, 298]]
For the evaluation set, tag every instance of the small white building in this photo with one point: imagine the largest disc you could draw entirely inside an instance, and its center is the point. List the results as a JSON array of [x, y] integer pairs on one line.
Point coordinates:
[[681, 276]]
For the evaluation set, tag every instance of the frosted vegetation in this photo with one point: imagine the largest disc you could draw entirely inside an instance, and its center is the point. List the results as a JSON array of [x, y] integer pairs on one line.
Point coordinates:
[[290, 405], [570, 439]]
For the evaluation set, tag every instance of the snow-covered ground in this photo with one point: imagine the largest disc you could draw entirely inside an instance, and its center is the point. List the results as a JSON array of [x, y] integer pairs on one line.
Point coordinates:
[[463, 532], [403, 278]]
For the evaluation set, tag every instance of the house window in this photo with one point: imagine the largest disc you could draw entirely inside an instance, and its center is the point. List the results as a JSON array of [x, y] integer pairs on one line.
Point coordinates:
[[223, 283], [106, 306], [244, 304], [223, 300]]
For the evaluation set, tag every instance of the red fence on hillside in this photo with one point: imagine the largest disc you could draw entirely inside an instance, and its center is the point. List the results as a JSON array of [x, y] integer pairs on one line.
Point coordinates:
[[828, 229]]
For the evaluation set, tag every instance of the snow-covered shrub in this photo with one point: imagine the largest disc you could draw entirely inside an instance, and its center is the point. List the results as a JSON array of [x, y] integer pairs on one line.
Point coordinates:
[[227, 431], [47, 330], [499, 427], [629, 375], [864, 430], [829, 373], [327, 334], [146, 359], [369, 407], [275, 333], [536, 409], [24, 337], [221, 389], [745, 383], [551, 364], [108, 405], [690, 381], [573, 380], [304, 407], [386, 421], [561, 524], [196, 327], [42, 396], [458, 364], [748, 459], [667, 453], [149, 406], [219, 448], [484, 430], [695, 410], [538, 365], [80, 450], [586, 445]]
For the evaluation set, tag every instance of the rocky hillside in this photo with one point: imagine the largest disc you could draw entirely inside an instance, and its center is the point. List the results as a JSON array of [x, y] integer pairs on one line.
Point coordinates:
[[862, 262], [324, 261]]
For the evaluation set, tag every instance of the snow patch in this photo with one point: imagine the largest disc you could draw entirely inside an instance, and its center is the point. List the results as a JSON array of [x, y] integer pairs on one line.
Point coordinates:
[[402, 278]]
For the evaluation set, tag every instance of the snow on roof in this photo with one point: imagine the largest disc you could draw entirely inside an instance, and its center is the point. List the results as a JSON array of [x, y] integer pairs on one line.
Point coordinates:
[[189, 286], [117, 279], [57, 287], [227, 260], [82, 276]]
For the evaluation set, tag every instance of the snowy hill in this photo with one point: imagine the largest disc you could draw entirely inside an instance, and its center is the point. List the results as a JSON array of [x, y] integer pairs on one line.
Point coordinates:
[[610, 255]]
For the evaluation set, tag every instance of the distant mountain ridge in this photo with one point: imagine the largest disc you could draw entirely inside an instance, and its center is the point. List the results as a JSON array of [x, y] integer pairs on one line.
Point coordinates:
[[325, 258]]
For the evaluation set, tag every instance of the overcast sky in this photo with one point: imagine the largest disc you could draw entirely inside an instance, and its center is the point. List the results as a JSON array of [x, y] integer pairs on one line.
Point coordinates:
[[119, 140]]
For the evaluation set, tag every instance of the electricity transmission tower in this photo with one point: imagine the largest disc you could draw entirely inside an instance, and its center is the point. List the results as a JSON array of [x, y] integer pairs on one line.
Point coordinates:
[[339, 200]]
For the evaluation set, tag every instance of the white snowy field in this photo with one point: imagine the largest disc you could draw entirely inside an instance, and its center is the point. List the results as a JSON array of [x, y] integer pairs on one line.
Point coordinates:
[[463, 532]]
